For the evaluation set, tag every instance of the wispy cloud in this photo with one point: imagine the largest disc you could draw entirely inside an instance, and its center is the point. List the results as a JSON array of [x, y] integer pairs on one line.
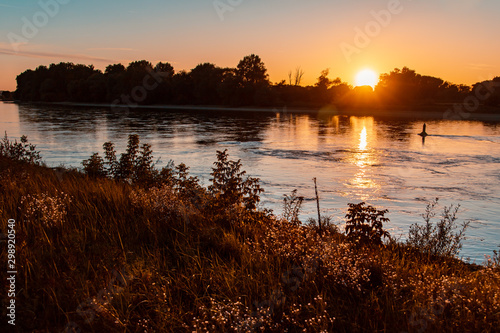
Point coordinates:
[[52, 55], [110, 49], [481, 66]]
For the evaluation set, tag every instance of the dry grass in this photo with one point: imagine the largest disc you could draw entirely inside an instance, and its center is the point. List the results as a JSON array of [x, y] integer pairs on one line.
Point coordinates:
[[103, 255]]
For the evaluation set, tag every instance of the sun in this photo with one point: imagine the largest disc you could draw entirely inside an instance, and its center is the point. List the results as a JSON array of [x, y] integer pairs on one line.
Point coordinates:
[[367, 77]]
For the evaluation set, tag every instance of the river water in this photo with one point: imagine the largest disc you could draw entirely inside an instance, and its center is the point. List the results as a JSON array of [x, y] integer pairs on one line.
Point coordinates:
[[377, 160]]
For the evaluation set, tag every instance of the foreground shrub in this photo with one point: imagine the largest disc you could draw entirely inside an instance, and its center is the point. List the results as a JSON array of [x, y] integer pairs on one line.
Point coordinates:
[[230, 187], [364, 224], [291, 207], [20, 151], [134, 166], [438, 239]]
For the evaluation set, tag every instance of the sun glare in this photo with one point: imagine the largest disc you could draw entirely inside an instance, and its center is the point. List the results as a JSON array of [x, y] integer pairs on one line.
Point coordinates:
[[367, 77]]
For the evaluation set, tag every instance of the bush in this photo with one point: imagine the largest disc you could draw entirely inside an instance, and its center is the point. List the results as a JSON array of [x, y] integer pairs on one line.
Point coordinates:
[[230, 187], [439, 239], [94, 166], [134, 166], [20, 151], [493, 261], [365, 224], [291, 207]]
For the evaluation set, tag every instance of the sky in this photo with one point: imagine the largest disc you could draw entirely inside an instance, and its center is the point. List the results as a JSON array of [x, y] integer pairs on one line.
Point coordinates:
[[455, 40]]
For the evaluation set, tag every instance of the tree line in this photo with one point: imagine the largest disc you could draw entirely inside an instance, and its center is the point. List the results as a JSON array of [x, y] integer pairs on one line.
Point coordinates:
[[248, 84]]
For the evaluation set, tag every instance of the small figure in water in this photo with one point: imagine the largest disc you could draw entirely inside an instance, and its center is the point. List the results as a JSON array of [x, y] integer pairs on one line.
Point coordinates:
[[424, 133]]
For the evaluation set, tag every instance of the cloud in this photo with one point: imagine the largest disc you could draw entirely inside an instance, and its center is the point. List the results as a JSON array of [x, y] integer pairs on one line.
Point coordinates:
[[110, 49], [52, 55], [481, 66]]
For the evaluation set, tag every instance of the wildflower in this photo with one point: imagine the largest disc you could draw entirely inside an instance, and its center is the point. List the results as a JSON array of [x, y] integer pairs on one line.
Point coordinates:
[[50, 211]]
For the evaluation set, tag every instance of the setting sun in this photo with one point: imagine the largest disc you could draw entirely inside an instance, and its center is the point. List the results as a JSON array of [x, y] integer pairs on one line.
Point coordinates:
[[367, 77]]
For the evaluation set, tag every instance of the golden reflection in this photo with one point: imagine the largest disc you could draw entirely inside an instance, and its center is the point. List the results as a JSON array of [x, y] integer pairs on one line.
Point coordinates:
[[334, 123], [362, 139], [363, 157], [294, 131]]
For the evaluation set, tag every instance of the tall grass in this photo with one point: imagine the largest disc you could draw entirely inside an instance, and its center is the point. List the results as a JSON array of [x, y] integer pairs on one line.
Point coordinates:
[[101, 254]]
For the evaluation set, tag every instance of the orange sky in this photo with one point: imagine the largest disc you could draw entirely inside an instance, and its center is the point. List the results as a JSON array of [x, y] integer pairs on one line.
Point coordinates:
[[453, 40]]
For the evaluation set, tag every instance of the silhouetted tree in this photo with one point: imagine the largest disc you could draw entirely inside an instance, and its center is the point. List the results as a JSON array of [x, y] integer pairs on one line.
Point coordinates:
[[296, 78], [115, 82], [137, 74], [182, 88], [252, 70], [160, 83], [6, 96], [253, 77], [247, 84], [398, 86], [231, 90], [114, 69], [205, 79], [322, 92], [488, 91], [97, 89], [165, 69], [323, 81], [405, 86], [49, 91]]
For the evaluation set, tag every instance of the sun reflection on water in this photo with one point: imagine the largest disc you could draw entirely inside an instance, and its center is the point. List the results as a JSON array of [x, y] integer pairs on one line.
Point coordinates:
[[363, 158], [363, 139]]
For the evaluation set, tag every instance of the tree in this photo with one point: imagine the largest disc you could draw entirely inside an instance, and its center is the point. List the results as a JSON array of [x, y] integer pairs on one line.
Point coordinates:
[[489, 91], [321, 91], [96, 85], [6, 96], [399, 86], [140, 66], [114, 69], [252, 70], [323, 81], [231, 88], [162, 83], [297, 77], [165, 69], [136, 75], [405, 86], [115, 81], [206, 78], [182, 88]]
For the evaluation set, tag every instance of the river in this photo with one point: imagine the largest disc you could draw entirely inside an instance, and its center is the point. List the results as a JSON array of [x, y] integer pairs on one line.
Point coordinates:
[[381, 161]]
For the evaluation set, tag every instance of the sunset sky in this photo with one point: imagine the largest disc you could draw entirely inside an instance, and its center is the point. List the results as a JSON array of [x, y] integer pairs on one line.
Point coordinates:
[[452, 39]]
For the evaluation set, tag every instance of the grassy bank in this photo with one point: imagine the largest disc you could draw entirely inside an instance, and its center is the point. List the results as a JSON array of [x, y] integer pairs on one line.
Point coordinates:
[[163, 254]]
